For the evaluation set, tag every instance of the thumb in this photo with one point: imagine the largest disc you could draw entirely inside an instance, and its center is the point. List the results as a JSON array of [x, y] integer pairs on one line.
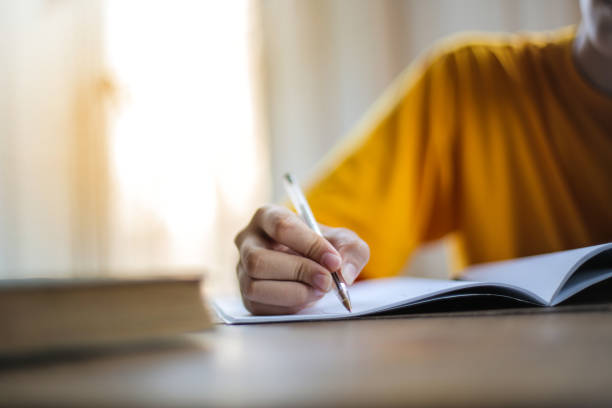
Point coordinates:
[[354, 251], [352, 264]]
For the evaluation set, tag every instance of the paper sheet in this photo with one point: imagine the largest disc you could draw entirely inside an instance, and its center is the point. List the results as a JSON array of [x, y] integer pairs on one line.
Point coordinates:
[[366, 297], [542, 275]]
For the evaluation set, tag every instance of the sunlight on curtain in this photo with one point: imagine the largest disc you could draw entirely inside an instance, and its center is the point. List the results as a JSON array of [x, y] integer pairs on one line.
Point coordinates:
[[188, 162]]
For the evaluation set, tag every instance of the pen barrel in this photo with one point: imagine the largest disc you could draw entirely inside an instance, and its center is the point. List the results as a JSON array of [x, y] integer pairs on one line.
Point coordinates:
[[304, 211], [342, 291], [301, 205]]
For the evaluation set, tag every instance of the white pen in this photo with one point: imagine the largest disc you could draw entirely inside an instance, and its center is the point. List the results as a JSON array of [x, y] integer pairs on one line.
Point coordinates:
[[304, 211]]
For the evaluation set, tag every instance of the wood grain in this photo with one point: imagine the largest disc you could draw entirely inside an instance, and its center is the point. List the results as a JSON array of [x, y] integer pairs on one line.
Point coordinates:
[[508, 358]]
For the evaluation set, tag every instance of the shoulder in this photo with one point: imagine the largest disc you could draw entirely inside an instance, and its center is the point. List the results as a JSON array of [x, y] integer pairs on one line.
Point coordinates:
[[508, 54], [473, 56]]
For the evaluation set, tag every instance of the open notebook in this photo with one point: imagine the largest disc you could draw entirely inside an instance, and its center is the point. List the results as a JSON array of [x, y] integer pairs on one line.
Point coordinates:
[[542, 280]]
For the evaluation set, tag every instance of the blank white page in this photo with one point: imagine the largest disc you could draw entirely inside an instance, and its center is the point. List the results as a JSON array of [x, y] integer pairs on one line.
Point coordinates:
[[542, 275], [366, 297]]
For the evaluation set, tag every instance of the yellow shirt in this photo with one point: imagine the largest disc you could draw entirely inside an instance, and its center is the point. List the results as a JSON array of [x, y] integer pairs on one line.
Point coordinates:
[[496, 140]]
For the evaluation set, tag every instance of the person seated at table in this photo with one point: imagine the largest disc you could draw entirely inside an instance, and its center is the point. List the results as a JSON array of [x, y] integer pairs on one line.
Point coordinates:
[[502, 142]]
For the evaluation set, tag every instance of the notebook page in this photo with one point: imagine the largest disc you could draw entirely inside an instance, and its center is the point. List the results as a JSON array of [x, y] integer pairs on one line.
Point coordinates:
[[587, 278], [366, 297], [540, 274]]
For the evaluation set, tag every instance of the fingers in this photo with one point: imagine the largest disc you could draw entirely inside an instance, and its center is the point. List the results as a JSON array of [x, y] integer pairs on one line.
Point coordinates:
[[354, 251], [262, 263], [276, 280], [275, 297], [286, 228], [285, 266]]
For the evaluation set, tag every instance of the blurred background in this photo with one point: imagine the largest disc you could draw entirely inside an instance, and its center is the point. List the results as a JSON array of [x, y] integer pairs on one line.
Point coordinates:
[[139, 136]]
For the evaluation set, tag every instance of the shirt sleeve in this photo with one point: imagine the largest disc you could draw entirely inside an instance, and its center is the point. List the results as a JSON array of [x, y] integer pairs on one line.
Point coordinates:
[[392, 181]]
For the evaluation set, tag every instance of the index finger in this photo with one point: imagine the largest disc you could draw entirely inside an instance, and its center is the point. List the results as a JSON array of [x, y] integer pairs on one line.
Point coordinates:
[[288, 229]]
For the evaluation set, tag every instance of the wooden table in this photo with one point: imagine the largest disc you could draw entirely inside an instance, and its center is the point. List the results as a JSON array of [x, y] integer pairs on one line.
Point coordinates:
[[510, 358]]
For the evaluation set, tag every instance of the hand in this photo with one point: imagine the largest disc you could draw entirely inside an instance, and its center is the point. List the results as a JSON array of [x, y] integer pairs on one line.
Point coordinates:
[[285, 266]]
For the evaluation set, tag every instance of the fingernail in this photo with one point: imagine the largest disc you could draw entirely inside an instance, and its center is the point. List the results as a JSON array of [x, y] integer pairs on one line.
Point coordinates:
[[323, 282], [349, 273], [331, 261]]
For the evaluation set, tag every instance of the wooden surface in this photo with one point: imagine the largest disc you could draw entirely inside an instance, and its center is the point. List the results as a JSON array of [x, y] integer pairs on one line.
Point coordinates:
[[510, 358]]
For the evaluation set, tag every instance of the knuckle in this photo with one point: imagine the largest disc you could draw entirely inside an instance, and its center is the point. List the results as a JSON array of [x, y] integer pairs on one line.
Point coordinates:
[[253, 258], [260, 213], [239, 238], [314, 246], [281, 224], [248, 289], [300, 271], [253, 226]]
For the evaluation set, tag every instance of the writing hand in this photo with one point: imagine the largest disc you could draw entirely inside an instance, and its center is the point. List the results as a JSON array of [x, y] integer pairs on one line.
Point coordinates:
[[284, 266]]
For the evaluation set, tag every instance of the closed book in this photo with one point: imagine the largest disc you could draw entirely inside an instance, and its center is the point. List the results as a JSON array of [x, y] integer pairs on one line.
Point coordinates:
[[49, 314]]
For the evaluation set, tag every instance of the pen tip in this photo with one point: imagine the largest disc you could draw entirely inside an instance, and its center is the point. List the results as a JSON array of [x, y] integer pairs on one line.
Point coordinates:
[[347, 304]]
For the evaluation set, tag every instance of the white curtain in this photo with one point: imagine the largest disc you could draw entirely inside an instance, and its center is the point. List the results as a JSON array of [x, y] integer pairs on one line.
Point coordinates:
[[53, 169], [131, 140], [188, 159]]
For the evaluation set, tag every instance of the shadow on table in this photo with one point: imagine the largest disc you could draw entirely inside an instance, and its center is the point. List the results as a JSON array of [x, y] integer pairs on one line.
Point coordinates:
[[41, 358]]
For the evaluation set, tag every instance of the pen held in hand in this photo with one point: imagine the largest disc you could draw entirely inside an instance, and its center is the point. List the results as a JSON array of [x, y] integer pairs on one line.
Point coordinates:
[[301, 205]]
